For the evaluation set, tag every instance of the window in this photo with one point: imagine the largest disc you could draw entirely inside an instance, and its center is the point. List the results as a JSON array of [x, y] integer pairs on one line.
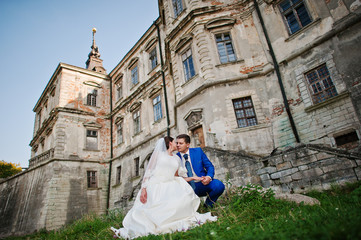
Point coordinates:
[[134, 75], [153, 58], [92, 98], [39, 119], [188, 64], [136, 121], [119, 132], [119, 174], [119, 90], [225, 48], [347, 141], [295, 14], [157, 108], [92, 179], [91, 139], [245, 114], [320, 84], [177, 7], [136, 166]]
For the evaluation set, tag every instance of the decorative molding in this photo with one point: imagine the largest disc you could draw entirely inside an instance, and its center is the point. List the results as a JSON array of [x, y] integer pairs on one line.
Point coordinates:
[[93, 125], [183, 41], [194, 118], [118, 78], [119, 119], [220, 22], [150, 43], [132, 62], [154, 91], [134, 106], [92, 84]]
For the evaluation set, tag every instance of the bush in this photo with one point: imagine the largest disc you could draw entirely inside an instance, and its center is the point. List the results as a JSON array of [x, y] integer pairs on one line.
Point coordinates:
[[8, 169]]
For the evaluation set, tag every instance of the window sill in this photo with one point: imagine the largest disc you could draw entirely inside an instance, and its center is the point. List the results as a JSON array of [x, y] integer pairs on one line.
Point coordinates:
[[327, 102], [91, 106], [118, 101], [117, 185], [91, 150], [135, 178], [153, 70], [250, 128], [299, 32], [158, 121], [190, 80], [229, 63], [94, 188], [179, 15], [134, 86], [136, 134]]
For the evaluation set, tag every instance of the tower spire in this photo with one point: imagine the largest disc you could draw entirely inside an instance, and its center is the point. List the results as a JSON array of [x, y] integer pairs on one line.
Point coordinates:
[[94, 62]]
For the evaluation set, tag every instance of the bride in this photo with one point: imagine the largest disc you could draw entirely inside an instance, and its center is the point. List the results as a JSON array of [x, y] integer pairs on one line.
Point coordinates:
[[166, 202]]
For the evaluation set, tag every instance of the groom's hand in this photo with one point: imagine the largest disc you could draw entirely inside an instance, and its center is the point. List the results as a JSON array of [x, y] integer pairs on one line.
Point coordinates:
[[206, 180], [143, 196]]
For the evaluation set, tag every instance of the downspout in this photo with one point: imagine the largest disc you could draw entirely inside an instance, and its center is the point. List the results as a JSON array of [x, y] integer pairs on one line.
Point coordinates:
[[111, 144], [163, 78], [278, 73]]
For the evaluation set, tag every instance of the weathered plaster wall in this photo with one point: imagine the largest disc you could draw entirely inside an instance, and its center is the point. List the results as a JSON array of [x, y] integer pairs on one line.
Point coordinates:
[[49, 196]]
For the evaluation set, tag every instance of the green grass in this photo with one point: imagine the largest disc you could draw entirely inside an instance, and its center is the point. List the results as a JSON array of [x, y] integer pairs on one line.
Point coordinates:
[[248, 213]]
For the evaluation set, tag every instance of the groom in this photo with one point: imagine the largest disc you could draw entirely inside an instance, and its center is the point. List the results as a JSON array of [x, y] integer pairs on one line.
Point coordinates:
[[197, 164]]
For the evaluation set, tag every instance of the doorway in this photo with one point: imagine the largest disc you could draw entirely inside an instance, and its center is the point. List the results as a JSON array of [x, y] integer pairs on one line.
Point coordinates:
[[198, 137]]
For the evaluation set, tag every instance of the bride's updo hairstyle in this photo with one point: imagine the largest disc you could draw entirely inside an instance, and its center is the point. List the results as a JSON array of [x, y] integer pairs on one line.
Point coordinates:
[[167, 140]]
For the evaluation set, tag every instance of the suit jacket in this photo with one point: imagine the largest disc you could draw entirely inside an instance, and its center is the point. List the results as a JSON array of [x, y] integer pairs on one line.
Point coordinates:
[[200, 162]]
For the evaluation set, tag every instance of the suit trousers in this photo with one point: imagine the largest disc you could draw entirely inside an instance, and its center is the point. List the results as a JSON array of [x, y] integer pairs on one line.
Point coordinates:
[[213, 190]]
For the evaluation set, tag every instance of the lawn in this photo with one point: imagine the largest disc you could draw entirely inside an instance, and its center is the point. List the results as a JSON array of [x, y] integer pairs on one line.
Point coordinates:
[[248, 212]]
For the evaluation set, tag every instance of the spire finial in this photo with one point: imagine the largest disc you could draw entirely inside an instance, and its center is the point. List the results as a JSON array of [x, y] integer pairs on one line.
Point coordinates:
[[94, 62]]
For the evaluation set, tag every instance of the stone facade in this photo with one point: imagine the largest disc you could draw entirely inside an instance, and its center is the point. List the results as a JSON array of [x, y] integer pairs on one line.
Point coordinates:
[[241, 83]]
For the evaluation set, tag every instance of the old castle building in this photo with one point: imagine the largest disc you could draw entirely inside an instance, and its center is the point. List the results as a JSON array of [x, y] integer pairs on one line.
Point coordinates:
[[236, 75]]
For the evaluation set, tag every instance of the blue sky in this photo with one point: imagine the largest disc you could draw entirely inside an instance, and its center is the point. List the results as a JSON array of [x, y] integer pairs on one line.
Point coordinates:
[[36, 35]]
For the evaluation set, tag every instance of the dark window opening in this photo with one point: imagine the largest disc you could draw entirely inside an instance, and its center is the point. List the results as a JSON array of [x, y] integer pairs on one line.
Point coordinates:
[[347, 141]]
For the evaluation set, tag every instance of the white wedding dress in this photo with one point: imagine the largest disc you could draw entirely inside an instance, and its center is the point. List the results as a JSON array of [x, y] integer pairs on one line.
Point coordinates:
[[171, 203]]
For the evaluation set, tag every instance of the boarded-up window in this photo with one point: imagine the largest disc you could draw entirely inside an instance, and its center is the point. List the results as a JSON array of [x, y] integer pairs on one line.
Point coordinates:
[[92, 140]]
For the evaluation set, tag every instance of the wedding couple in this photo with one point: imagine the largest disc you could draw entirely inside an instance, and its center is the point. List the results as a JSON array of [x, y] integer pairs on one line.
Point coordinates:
[[170, 191]]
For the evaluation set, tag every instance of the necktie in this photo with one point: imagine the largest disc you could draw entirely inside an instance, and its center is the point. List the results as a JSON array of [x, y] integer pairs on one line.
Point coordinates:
[[189, 170]]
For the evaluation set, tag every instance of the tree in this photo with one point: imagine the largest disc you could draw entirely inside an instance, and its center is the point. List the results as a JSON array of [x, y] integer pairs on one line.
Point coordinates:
[[9, 169]]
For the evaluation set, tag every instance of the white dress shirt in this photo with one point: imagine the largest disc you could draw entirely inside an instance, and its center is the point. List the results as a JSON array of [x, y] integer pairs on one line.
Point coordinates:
[[183, 165]]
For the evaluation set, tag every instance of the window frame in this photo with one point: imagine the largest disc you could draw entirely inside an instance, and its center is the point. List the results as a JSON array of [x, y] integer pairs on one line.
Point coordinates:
[[132, 75], [225, 46], [90, 134], [137, 166], [187, 76], [321, 84], [152, 57], [178, 8], [157, 108], [91, 99], [119, 126], [92, 179], [244, 108], [292, 9], [119, 175], [136, 121]]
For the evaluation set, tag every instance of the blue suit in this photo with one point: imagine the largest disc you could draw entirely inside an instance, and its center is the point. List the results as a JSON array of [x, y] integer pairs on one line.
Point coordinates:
[[203, 167]]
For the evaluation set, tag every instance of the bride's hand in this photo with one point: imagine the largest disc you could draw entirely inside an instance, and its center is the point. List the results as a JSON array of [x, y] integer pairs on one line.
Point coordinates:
[[197, 178], [143, 196]]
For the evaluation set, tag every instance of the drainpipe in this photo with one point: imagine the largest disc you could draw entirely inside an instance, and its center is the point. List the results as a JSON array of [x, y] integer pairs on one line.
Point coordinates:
[[111, 144], [163, 78], [278, 73]]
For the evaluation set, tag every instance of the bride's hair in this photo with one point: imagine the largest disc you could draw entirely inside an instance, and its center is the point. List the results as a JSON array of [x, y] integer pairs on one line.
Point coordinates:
[[167, 140]]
